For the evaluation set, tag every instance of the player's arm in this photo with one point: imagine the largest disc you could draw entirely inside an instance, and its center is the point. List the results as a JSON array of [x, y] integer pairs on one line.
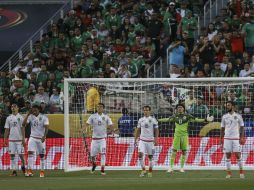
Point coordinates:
[[23, 135], [26, 119], [222, 130], [241, 123], [156, 135], [137, 134], [6, 131], [45, 133], [165, 120]]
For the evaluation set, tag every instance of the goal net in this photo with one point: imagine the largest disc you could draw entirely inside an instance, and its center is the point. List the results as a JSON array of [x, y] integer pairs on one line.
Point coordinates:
[[124, 99]]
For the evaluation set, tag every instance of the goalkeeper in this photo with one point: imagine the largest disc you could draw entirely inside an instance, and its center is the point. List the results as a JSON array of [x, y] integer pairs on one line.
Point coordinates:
[[180, 142]]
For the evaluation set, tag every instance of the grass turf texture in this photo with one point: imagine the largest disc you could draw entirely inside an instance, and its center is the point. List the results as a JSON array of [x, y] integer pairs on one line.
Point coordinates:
[[121, 180]]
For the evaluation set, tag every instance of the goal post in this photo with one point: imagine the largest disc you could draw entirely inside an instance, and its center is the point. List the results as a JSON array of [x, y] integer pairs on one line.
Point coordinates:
[[124, 99]]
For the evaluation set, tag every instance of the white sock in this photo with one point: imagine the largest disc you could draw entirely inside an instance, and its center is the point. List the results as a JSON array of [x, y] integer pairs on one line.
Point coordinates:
[[103, 159], [141, 161], [42, 163], [228, 164], [30, 161], [240, 164], [13, 163]]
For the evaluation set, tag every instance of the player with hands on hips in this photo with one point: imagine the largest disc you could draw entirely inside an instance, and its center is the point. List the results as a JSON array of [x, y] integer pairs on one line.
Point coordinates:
[[16, 134], [147, 132]]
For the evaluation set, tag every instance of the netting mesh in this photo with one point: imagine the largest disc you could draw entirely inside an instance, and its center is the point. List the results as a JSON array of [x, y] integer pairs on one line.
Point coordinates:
[[123, 103]]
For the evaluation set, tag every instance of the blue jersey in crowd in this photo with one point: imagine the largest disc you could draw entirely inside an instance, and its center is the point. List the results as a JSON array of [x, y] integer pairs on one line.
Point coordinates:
[[126, 125]]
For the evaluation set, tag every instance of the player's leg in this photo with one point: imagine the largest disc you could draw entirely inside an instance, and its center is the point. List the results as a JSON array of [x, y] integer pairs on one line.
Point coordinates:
[[184, 147], [141, 153], [41, 149], [237, 151], [31, 153], [102, 144], [21, 152], [12, 151], [150, 152], [94, 152], [176, 146], [228, 148]]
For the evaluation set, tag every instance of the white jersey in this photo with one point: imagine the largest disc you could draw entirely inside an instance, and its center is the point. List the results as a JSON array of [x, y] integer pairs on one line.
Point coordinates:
[[232, 124], [38, 125], [14, 123], [99, 124], [147, 125]]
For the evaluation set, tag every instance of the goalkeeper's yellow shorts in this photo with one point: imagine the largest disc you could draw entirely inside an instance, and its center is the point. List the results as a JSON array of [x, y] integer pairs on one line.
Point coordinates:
[[181, 142]]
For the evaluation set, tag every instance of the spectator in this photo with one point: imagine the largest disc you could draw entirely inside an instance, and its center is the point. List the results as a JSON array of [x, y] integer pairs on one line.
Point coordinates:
[[92, 99], [126, 124], [55, 101], [41, 96]]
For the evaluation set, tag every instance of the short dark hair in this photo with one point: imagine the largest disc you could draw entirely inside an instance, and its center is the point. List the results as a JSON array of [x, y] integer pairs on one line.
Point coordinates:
[[125, 111], [149, 107], [231, 102], [101, 104], [180, 105]]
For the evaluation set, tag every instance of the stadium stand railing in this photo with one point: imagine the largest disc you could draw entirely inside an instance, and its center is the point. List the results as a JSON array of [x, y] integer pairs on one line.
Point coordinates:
[[156, 69], [28, 45], [211, 9]]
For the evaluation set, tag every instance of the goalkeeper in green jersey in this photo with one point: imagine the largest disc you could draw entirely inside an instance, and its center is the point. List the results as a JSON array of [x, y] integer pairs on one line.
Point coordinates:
[[181, 140]]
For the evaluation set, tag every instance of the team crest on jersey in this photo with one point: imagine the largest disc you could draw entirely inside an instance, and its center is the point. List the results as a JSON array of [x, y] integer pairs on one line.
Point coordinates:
[[103, 118], [40, 118], [235, 118], [18, 119], [150, 121], [184, 117]]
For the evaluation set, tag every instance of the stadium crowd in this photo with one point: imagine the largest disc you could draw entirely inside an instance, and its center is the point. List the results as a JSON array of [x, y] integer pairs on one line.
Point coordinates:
[[122, 39]]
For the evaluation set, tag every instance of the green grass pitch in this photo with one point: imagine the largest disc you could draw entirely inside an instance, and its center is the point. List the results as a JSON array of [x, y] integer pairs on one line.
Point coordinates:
[[121, 180]]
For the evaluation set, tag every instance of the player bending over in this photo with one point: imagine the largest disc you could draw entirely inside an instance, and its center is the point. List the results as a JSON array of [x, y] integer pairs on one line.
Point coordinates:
[[36, 145], [147, 132], [232, 130], [181, 136], [100, 122], [16, 134]]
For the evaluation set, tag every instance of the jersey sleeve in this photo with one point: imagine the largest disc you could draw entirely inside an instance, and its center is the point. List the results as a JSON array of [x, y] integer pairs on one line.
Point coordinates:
[[155, 124], [223, 122], [139, 123], [46, 120], [7, 126], [241, 123], [109, 122], [90, 120]]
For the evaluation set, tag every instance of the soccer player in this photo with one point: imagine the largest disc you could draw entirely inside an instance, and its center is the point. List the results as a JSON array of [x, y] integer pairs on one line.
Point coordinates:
[[232, 130], [147, 132], [100, 123], [181, 137], [16, 134], [36, 145]]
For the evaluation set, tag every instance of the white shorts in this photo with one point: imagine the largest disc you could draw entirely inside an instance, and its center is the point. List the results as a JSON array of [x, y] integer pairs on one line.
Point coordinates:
[[16, 147], [231, 146], [35, 145], [98, 146], [146, 147]]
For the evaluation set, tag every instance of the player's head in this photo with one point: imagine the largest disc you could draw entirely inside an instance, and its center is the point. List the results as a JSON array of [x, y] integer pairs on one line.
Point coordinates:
[[35, 109], [125, 111], [100, 107], [147, 110], [180, 108], [14, 108], [230, 106]]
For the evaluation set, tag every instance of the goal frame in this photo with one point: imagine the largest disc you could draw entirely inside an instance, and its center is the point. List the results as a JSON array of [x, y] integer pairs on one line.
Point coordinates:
[[153, 80]]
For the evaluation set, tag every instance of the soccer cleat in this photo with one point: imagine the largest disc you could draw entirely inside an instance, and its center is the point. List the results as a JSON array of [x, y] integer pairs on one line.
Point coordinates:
[[228, 176], [143, 173], [92, 172], [42, 173], [103, 173], [181, 170], [242, 176], [29, 173], [14, 173], [170, 170], [150, 174]]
